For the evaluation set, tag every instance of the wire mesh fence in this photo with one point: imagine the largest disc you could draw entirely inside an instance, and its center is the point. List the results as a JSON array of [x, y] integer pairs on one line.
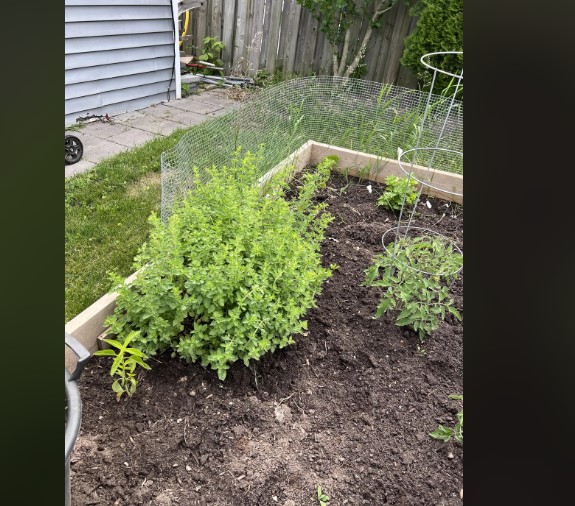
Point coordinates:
[[351, 113], [436, 245]]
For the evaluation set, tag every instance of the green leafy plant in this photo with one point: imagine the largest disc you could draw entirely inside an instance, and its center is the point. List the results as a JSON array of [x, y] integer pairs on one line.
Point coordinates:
[[321, 497], [124, 365], [234, 270], [396, 189], [211, 50], [421, 299], [446, 433], [264, 78], [185, 90]]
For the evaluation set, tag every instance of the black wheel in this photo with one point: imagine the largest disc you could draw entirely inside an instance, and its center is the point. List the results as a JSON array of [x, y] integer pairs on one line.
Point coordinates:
[[73, 149]]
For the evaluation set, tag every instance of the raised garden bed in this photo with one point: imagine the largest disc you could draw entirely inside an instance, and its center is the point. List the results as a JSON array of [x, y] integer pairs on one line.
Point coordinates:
[[348, 407], [87, 326]]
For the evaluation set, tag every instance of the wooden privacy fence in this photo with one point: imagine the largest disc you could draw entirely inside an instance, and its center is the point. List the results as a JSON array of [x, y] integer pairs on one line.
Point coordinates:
[[281, 35]]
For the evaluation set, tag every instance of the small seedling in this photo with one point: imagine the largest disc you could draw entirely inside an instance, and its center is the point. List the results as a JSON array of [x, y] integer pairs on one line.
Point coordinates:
[[363, 172], [392, 197], [185, 89], [446, 433], [124, 364], [321, 497]]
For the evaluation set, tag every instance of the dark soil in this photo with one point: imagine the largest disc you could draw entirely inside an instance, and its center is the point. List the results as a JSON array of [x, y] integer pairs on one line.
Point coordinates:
[[348, 407]]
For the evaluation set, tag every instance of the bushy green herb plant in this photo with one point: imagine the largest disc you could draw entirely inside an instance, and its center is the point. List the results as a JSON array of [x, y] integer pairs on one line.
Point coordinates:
[[126, 360], [421, 299], [232, 273], [446, 433], [396, 188]]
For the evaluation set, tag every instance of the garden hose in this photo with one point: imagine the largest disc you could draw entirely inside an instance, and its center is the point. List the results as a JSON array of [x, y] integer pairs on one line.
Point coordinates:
[[186, 26], [73, 408]]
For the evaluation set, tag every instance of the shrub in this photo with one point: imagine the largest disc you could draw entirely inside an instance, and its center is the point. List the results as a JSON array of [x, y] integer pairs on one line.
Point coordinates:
[[439, 28], [232, 273]]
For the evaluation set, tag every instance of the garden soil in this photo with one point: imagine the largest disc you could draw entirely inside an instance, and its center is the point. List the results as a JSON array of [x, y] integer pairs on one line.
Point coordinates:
[[349, 407]]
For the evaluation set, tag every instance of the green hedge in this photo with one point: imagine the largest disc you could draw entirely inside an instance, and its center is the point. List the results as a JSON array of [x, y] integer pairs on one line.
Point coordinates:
[[440, 28]]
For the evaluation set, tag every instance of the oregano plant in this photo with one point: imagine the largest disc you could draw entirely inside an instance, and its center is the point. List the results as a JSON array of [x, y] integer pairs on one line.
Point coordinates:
[[415, 281], [233, 272]]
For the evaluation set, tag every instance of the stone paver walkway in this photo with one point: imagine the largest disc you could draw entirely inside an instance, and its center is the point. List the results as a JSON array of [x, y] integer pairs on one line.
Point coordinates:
[[125, 131]]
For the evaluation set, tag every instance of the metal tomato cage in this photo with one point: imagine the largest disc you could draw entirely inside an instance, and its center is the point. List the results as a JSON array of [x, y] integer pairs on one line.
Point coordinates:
[[436, 155]]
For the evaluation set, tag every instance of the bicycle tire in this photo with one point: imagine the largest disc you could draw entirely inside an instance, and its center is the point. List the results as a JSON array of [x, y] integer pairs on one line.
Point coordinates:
[[73, 149]]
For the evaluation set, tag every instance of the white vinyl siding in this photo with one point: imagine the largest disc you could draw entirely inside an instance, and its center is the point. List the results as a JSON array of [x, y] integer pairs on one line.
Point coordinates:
[[120, 55]]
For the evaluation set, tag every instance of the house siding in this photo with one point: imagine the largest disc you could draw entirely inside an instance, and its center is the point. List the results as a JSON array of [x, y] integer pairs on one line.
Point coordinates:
[[119, 56]]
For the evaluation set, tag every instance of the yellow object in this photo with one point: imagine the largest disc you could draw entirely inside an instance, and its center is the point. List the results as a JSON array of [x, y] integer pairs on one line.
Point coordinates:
[[186, 25]]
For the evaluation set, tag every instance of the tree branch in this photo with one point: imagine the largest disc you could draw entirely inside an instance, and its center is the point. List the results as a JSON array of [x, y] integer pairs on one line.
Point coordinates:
[[345, 51], [379, 11]]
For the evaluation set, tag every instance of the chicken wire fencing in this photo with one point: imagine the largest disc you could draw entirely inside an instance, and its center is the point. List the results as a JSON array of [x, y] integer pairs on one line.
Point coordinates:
[[350, 113], [430, 159]]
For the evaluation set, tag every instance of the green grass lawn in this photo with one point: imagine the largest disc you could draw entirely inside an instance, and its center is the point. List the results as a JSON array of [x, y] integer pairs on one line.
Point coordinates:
[[107, 210]]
